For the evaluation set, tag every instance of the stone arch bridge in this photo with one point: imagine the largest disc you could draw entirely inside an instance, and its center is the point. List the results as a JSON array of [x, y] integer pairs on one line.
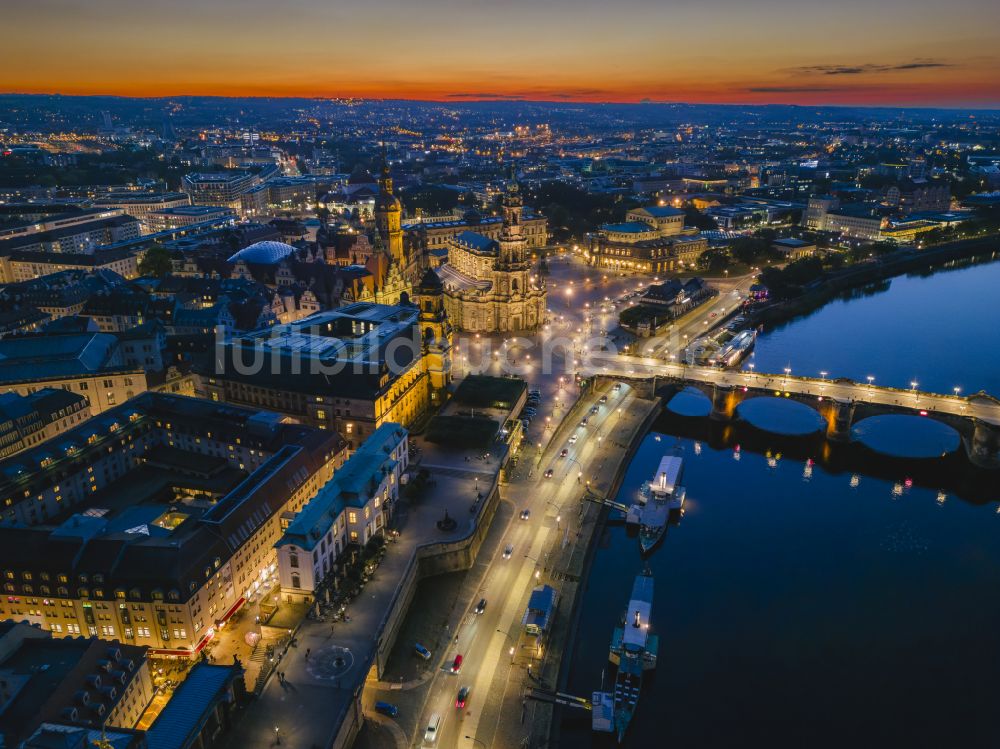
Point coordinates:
[[840, 402]]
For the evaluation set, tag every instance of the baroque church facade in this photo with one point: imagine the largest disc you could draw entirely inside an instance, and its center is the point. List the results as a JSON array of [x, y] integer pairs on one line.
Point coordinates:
[[489, 285], [392, 267]]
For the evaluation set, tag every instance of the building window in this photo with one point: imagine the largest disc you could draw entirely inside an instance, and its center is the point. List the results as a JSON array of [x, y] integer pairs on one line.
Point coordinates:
[[296, 581]]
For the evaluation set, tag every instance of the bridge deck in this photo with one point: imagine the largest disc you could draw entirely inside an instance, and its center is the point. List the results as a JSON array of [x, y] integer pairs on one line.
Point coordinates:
[[977, 406]]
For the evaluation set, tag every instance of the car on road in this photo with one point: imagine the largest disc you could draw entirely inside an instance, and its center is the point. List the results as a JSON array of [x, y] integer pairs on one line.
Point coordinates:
[[603, 399], [583, 421], [421, 651], [572, 439], [618, 386], [563, 453], [594, 409], [456, 665], [508, 551], [548, 473], [387, 708], [431, 732], [525, 514], [463, 697], [481, 606]]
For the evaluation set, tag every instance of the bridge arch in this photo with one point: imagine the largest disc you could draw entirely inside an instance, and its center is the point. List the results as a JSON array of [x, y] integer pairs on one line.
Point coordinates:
[[923, 437]]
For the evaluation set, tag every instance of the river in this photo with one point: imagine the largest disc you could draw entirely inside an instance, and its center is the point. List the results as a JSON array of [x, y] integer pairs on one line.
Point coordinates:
[[815, 595]]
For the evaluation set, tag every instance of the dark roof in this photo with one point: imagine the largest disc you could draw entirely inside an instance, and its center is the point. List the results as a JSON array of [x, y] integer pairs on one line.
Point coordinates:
[[182, 717]]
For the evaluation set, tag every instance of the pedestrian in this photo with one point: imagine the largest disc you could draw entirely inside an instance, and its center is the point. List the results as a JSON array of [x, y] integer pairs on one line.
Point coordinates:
[[307, 653]]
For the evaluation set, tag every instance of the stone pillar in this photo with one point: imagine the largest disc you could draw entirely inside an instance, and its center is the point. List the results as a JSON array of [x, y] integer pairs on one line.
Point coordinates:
[[839, 426], [723, 403], [983, 448]]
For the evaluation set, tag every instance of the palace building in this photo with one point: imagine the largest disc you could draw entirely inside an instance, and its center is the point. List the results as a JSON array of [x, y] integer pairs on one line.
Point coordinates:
[[651, 240], [350, 369], [489, 285]]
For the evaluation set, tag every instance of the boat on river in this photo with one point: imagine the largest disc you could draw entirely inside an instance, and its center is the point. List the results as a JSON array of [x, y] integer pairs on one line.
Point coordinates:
[[633, 651], [658, 498]]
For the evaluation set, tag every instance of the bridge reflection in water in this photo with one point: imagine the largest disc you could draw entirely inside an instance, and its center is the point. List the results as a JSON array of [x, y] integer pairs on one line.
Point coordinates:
[[949, 472], [841, 402]]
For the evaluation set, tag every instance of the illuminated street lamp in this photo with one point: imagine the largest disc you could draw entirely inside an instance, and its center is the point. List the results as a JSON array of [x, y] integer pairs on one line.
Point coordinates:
[[957, 391]]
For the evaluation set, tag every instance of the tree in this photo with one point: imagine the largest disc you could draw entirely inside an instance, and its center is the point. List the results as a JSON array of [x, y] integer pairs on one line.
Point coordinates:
[[156, 262], [749, 249], [714, 260], [694, 217]]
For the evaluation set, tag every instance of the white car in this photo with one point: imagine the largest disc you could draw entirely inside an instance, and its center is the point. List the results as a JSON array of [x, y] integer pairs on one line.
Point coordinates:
[[431, 732]]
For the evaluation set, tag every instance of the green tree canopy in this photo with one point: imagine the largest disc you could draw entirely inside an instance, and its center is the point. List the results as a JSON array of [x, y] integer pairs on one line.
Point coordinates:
[[156, 262]]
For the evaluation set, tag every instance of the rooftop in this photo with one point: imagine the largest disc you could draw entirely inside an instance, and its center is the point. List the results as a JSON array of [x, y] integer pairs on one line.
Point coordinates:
[[182, 716], [350, 486]]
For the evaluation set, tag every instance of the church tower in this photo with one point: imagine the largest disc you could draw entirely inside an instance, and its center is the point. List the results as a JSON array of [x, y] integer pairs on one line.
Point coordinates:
[[436, 334], [388, 216], [513, 244]]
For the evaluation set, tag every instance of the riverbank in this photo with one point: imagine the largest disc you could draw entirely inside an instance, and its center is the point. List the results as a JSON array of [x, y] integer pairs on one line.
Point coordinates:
[[863, 274], [573, 564]]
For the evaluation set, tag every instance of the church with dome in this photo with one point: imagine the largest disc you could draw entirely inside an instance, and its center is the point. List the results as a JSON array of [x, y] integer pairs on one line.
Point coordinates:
[[488, 283]]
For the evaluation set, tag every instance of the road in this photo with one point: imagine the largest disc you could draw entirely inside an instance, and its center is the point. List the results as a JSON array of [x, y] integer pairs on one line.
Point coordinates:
[[495, 659], [669, 344]]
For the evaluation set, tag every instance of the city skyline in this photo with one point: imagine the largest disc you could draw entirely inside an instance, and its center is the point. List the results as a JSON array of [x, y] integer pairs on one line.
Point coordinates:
[[713, 52]]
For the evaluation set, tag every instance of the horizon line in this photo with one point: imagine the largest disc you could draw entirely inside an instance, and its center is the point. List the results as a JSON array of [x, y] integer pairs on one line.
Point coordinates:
[[458, 99]]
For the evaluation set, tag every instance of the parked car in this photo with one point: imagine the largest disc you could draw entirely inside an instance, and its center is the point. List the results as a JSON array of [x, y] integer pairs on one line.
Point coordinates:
[[431, 732], [387, 708], [481, 606], [463, 697], [508, 551], [456, 665], [421, 651]]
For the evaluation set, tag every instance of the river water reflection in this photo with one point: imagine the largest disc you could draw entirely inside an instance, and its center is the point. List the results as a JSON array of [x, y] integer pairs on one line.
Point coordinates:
[[817, 594]]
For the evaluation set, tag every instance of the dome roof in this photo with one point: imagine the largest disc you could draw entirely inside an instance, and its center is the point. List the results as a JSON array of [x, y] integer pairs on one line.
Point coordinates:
[[264, 253]]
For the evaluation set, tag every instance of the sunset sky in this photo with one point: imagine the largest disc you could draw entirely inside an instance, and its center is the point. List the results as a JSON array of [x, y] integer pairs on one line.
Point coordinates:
[[905, 52]]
